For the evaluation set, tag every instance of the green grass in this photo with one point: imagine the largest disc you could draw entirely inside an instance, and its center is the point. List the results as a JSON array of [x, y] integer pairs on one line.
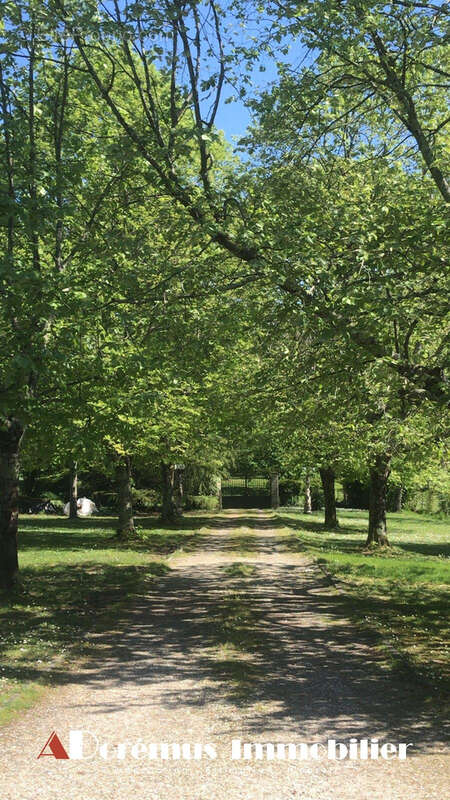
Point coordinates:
[[402, 591], [233, 621], [75, 577], [239, 570], [244, 542]]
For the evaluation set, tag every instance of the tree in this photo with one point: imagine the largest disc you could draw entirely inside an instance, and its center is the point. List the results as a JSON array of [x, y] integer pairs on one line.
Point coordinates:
[[36, 151], [327, 407], [389, 60], [171, 116], [62, 162], [327, 231], [131, 41], [328, 477]]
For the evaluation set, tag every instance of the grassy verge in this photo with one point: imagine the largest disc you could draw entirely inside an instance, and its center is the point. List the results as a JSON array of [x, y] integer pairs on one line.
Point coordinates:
[[75, 578], [402, 591], [234, 622]]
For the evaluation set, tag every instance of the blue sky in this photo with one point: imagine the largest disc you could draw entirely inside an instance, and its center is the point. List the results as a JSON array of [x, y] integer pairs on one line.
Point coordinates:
[[233, 118]]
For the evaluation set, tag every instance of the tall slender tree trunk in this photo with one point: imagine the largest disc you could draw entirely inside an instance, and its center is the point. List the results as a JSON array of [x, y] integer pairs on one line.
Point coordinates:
[[73, 488], [328, 477], [345, 494], [126, 521], [178, 491], [379, 473], [168, 512], [307, 507], [398, 499], [11, 432], [29, 483]]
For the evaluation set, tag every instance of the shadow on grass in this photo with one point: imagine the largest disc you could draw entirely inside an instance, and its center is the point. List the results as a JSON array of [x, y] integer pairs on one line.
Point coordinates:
[[151, 522], [353, 539], [48, 523], [98, 533], [54, 607], [83, 525], [345, 539], [281, 638], [437, 549], [425, 520]]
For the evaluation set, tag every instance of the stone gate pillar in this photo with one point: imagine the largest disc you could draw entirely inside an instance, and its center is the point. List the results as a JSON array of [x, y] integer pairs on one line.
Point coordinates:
[[274, 490]]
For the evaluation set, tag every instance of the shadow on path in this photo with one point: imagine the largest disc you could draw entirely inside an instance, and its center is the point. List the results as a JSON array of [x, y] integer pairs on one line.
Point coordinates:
[[281, 632]]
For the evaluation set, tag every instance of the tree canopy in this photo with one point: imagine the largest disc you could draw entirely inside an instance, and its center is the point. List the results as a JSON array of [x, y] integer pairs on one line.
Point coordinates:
[[170, 300]]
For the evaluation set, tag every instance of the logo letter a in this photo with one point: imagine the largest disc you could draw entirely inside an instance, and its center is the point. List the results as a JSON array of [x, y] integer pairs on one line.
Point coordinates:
[[55, 746]]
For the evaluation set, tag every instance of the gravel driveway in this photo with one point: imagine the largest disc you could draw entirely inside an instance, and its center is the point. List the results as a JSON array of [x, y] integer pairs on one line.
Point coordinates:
[[244, 639]]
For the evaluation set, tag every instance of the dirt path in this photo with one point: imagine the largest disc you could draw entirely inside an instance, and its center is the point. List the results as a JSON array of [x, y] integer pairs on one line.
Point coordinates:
[[243, 639]]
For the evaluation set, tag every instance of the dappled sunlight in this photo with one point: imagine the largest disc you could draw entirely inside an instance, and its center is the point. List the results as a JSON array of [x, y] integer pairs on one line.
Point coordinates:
[[417, 533], [299, 653], [266, 634]]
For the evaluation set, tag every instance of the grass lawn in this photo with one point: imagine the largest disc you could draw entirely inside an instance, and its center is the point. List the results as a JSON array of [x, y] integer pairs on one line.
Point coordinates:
[[402, 591], [75, 578]]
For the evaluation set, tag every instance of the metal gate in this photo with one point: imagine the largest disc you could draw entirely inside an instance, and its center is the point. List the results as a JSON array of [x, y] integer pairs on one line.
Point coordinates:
[[246, 492]]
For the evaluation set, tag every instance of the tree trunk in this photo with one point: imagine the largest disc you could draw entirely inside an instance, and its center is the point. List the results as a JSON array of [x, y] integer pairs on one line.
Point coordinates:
[[168, 512], [178, 491], [11, 433], [126, 522], [398, 499], [73, 497], [29, 484], [307, 508], [219, 494], [327, 477], [379, 473], [345, 495]]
